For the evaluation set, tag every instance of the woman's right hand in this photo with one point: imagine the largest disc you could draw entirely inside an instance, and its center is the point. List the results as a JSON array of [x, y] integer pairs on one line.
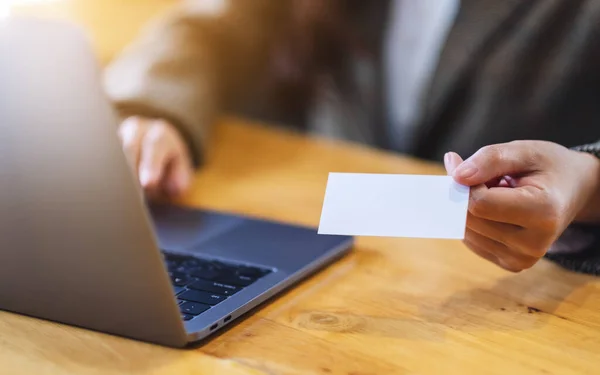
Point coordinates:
[[158, 155]]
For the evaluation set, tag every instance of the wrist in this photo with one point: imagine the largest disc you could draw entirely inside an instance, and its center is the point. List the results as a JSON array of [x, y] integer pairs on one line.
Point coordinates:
[[590, 192]]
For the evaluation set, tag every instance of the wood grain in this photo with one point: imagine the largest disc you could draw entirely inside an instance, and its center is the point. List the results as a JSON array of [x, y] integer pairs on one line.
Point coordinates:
[[394, 303], [393, 306]]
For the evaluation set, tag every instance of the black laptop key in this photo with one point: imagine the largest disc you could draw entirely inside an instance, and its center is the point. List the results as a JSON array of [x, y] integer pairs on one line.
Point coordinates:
[[196, 263], [187, 317], [190, 262], [206, 274], [201, 297], [179, 269], [223, 267], [181, 263], [193, 308], [178, 289], [235, 279], [187, 269], [180, 279], [173, 259], [214, 287]]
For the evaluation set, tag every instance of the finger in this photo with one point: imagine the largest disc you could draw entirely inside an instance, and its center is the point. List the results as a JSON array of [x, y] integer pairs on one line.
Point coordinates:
[[496, 182], [501, 183], [506, 257], [481, 251], [511, 206], [504, 233], [513, 236], [178, 177], [153, 161], [505, 181], [496, 161], [451, 161], [509, 181], [131, 133]]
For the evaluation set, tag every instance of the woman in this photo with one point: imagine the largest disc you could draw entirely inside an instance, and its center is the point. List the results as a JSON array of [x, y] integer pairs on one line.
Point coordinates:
[[416, 77], [531, 199]]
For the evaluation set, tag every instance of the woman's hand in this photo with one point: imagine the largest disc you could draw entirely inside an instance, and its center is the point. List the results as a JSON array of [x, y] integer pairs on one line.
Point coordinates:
[[524, 194], [158, 154]]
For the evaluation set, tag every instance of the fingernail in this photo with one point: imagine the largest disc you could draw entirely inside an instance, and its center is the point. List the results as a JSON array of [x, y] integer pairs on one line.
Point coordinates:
[[510, 181], [447, 159], [145, 176], [466, 170]]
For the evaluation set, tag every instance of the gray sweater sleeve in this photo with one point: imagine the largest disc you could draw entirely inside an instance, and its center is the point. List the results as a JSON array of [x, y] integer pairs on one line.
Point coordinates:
[[592, 148], [578, 248]]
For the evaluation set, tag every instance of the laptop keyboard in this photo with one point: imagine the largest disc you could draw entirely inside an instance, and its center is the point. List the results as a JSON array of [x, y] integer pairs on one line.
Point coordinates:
[[200, 284]]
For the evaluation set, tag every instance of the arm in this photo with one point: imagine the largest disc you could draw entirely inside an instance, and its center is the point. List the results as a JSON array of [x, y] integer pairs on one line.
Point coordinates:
[[188, 65]]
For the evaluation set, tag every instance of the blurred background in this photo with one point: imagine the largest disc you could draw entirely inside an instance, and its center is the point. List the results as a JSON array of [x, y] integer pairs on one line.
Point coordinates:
[[112, 24], [418, 78]]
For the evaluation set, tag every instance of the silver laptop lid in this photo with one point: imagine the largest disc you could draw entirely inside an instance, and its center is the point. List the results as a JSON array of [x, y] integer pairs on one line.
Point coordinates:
[[76, 242]]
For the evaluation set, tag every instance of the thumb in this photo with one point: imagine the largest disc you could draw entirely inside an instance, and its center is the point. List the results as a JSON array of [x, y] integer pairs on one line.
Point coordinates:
[[451, 161], [496, 161]]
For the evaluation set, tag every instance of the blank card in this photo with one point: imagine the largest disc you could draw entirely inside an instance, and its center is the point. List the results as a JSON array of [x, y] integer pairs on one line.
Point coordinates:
[[391, 205]]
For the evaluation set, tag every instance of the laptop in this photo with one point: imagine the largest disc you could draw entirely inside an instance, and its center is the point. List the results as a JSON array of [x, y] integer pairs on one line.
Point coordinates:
[[81, 246]]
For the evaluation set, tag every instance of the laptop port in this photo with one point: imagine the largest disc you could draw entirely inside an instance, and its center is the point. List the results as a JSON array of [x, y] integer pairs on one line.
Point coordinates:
[[214, 326], [227, 319]]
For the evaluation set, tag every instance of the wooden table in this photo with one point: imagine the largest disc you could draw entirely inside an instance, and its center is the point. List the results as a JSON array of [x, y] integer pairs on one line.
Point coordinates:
[[394, 306]]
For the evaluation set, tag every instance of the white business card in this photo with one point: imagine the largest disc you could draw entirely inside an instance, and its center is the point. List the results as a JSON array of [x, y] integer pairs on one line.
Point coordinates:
[[392, 205]]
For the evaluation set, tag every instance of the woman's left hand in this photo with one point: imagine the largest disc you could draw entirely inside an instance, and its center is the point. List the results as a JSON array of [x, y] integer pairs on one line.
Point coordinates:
[[524, 194]]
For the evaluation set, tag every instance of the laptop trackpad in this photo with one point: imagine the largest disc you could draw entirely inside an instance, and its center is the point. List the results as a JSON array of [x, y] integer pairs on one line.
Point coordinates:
[[234, 238], [180, 229]]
